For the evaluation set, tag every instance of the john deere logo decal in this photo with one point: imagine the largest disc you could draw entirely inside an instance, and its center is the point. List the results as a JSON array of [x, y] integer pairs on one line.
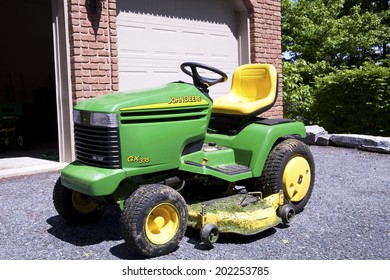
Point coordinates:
[[184, 99]]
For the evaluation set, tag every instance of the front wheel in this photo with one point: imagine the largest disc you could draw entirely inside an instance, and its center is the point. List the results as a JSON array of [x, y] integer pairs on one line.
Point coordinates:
[[154, 220], [75, 207], [289, 167]]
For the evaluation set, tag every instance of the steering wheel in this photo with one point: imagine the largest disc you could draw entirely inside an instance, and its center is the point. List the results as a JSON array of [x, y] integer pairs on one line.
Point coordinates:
[[199, 81]]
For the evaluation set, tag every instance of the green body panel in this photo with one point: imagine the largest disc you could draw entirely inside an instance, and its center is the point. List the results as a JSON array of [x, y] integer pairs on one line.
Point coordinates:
[[254, 143], [249, 148], [114, 102], [215, 159], [155, 125], [91, 180], [162, 129]]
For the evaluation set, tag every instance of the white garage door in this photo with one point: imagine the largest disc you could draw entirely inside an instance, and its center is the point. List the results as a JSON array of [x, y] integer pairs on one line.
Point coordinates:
[[155, 37]]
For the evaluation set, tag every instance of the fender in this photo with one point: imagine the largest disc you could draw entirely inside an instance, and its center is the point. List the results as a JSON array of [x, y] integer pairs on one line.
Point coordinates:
[[253, 144]]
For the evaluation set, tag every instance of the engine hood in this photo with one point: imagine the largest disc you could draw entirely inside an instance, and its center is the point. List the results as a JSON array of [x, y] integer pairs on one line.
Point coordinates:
[[175, 94]]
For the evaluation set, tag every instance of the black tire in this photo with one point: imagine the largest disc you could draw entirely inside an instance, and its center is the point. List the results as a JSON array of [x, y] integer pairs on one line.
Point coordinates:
[[287, 213], [75, 207], [209, 234], [154, 220], [23, 142], [23, 135], [278, 174]]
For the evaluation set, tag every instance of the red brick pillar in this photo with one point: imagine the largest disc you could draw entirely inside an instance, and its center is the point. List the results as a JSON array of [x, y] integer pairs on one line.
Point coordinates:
[[266, 41], [93, 48]]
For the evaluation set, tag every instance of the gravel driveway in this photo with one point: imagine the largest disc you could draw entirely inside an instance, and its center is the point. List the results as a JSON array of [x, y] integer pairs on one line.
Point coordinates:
[[346, 218]]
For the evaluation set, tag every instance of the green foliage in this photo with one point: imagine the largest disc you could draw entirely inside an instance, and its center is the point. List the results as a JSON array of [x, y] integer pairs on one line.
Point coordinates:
[[298, 88], [332, 31], [355, 100], [326, 78]]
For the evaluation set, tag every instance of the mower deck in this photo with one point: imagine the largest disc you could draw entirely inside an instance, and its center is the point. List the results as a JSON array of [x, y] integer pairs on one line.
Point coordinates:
[[241, 213]]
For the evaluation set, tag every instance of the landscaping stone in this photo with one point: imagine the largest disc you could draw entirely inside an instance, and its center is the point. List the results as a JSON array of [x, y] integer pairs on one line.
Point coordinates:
[[323, 140], [316, 135], [357, 141], [375, 149], [312, 134]]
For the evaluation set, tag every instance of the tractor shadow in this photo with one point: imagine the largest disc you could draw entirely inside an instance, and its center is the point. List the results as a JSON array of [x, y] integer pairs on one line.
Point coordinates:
[[107, 229]]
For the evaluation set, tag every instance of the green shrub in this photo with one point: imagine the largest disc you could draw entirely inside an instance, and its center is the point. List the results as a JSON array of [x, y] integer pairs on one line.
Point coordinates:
[[298, 89], [355, 100]]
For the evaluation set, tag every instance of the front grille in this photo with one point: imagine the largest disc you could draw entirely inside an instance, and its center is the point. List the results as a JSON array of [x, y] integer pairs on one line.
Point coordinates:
[[97, 146]]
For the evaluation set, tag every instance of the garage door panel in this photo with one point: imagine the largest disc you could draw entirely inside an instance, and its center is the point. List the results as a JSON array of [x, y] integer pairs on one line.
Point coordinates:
[[155, 38]]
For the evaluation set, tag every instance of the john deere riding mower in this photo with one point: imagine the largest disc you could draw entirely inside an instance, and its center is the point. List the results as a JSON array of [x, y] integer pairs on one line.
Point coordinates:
[[172, 157]]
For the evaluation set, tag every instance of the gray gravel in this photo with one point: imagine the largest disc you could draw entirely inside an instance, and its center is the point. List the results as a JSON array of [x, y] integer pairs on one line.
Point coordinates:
[[346, 218]]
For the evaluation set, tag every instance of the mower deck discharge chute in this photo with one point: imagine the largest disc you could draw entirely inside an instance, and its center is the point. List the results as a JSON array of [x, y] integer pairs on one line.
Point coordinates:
[[171, 157]]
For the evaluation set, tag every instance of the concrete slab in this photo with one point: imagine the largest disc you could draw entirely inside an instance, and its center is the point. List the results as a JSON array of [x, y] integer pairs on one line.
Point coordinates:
[[19, 166]]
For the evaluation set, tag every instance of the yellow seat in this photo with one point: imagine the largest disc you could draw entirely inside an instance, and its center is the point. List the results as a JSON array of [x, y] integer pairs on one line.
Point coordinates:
[[253, 91]]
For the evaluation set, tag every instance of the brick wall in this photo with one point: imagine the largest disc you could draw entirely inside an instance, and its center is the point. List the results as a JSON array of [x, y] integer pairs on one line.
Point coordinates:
[[93, 48], [93, 45], [266, 41]]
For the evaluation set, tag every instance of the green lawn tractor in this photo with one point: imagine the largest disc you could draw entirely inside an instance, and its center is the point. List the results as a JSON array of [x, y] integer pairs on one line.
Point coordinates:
[[171, 158]]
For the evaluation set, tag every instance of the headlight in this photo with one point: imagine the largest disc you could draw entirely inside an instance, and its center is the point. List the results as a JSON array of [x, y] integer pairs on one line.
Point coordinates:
[[95, 119], [101, 119]]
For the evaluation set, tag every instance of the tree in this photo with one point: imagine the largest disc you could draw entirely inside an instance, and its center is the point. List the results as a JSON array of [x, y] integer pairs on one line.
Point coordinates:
[[327, 41], [340, 32]]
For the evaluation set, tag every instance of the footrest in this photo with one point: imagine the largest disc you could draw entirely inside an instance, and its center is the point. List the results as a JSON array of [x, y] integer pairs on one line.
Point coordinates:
[[232, 169]]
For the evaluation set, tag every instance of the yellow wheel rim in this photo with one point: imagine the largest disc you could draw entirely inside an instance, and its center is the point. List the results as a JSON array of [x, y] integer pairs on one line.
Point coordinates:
[[296, 179], [162, 223], [83, 203]]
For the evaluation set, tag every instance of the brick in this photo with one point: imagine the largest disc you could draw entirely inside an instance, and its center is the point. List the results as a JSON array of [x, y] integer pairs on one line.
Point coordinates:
[[105, 80], [114, 39], [103, 25], [91, 66], [104, 67], [115, 87], [98, 60], [103, 53], [80, 59], [96, 45], [91, 80], [114, 67], [75, 22], [88, 52], [78, 87], [76, 29], [112, 6], [102, 39], [112, 13], [89, 37]]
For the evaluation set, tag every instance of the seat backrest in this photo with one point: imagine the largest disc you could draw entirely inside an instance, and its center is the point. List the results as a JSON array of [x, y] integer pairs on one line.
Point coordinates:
[[253, 91], [251, 82]]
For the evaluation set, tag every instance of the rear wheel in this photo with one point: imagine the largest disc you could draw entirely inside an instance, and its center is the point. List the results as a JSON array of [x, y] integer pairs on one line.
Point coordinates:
[[74, 206], [289, 167], [154, 220]]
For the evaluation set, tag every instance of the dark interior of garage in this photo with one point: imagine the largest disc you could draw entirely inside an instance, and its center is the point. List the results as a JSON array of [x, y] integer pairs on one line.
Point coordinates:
[[28, 113]]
